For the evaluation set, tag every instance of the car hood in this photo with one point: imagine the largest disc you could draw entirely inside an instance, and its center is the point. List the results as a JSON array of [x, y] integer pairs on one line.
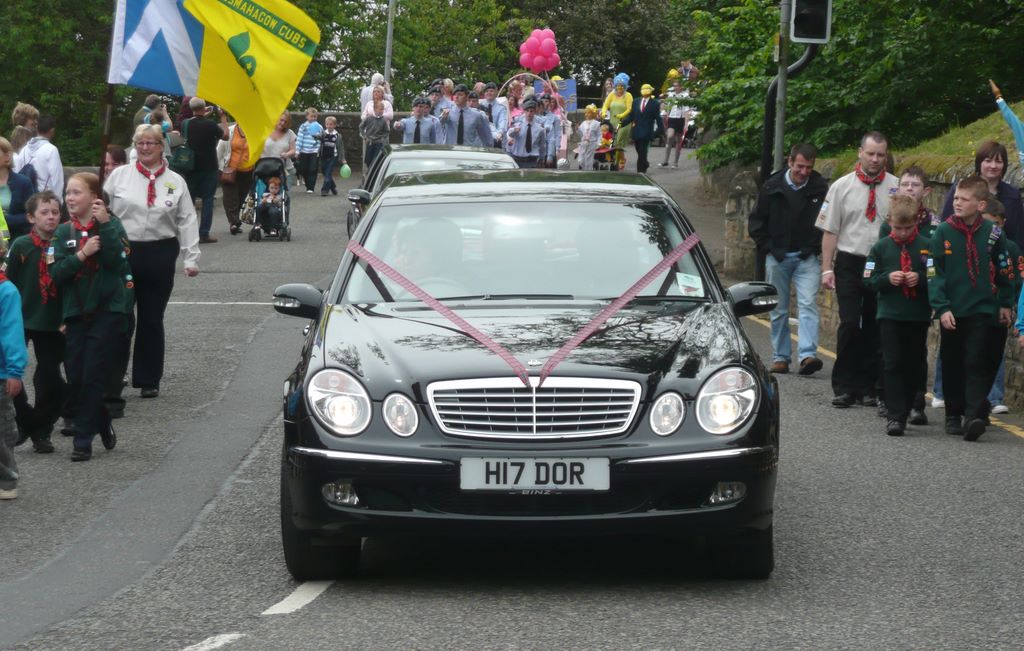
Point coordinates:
[[396, 346]]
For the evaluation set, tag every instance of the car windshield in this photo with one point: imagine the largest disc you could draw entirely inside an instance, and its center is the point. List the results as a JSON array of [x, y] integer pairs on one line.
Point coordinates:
[[526, 249], [399, 165]]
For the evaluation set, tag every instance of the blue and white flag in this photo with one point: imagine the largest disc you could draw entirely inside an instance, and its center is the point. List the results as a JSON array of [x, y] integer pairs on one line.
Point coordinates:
[[157, 45]]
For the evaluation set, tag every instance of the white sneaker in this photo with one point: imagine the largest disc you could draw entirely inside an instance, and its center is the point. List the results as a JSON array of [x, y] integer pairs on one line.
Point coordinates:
[[1000, 409], [8, 494], [938, 403]]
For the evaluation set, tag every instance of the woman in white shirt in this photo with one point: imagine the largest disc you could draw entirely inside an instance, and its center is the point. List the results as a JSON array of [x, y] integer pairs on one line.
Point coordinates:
[[281, 143], [159, 217]]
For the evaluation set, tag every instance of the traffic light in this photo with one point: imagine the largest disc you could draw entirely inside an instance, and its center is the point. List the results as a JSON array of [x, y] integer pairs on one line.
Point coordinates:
[[811, 21]]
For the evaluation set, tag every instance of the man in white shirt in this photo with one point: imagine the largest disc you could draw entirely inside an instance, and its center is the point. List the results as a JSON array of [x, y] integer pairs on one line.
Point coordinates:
[[853, 211], [42, 154]]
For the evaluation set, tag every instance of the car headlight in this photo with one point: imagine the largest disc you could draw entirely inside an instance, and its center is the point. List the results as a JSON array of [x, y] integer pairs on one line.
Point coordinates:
[[726, 400], [667, 413], [400, 415], [339, 401]]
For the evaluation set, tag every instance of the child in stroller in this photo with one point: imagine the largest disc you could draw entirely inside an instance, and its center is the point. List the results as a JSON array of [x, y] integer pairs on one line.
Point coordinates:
[[607, 155], [269, 205]]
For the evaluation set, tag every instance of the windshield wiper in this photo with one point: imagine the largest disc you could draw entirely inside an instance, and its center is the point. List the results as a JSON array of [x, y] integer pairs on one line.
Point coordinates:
[[651, 298], [505, 297]]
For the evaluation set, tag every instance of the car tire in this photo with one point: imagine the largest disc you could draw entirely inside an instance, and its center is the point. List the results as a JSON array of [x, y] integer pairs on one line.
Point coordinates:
[[310, 560], [747, 555]]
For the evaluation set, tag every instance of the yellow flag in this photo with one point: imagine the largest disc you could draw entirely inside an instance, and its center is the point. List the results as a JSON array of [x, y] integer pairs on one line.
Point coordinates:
[[254, 55]]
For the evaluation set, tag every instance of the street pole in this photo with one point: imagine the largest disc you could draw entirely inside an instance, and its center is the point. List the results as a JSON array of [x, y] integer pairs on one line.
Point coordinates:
[[780, 98], [387, 47]]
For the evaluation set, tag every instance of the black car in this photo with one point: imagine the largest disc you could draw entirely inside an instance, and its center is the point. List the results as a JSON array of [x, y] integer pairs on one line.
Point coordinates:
[[396, 159], [399, 420]]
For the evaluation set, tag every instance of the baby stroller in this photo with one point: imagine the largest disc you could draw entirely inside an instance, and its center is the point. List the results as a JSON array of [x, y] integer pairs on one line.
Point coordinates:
[[270, 215]]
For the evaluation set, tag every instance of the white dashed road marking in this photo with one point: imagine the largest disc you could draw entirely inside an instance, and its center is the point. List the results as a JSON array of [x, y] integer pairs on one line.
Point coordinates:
[[215, 642], [303, 594]]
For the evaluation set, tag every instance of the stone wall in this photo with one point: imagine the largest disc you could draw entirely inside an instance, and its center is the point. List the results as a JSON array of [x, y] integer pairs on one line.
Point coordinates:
[[738, 189]]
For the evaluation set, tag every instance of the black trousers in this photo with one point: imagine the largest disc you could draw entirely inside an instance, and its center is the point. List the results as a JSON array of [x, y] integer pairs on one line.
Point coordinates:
[[641, 154], [307, 169], [112, 392], [90, 346], [967, 368], [153, 271], [857, 351], [904, 350], [48, 385]]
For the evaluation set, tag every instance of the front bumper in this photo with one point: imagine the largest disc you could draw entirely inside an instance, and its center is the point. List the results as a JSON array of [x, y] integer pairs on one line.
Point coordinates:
[[665, 494]]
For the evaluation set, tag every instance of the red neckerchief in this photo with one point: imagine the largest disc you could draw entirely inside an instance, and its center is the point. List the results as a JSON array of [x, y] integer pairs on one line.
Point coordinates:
[[47, 289], [906, 263], [972, 250], [151, 193], [92, 263], [3, 276], [871, 182]]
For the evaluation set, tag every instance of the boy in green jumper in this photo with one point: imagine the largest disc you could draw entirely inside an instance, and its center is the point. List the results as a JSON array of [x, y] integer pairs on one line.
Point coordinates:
[[996, 213], [895, 269], [92, 272], [965, 288], [28, 268], [914, 184]]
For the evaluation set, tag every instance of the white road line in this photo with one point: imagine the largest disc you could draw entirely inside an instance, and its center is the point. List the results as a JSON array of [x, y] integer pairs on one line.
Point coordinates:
[[303, 594], [264, 303], [215, 642]]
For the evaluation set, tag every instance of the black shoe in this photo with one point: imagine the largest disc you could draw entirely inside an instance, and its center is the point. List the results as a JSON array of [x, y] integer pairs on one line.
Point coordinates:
[[918, 417], [844, 400], [83, 454], [236, 229], [869, 401], [23, 436], [334, 191], [42, 445], [894, 427], [149, 392], [109, 437], [974, 428], [883, 412], [954, 425]]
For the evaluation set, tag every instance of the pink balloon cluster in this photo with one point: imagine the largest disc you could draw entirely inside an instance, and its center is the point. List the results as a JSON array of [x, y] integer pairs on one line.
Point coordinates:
[[538, 52]]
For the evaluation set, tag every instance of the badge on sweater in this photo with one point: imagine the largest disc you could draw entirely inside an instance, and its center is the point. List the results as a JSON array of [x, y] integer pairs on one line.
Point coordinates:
[[49, 255]]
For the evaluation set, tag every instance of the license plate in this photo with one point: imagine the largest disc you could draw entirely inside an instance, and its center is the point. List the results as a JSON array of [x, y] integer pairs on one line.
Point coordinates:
[[529, 474]]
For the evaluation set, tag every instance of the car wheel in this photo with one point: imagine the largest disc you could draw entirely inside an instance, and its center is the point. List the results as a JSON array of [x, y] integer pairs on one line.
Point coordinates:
[[747, 555], [308, 559], [259, 235]]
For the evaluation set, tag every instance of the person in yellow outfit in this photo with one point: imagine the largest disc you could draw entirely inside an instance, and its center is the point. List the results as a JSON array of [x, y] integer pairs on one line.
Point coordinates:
[[617, 106]]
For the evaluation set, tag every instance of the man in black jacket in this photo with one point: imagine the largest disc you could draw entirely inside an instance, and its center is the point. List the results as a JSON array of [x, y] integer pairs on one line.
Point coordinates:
[[646, 119], [782, 225]]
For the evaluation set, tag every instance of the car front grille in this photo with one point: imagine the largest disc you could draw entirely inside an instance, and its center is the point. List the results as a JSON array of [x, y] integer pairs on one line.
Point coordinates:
[[623, 500], [563, 408]]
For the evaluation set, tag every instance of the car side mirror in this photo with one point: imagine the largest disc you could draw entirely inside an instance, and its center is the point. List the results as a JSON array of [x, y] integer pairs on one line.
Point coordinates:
[[298, 299], [359, 197], [753, 298]]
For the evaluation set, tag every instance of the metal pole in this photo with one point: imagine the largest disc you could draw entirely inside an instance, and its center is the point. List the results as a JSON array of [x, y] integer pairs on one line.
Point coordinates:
[[387, 47], [780, 98]]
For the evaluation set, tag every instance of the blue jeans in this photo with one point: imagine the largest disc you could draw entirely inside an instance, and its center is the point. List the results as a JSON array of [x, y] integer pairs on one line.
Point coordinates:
[[998, 391], [327, 164], [202, 185], [806, 275]]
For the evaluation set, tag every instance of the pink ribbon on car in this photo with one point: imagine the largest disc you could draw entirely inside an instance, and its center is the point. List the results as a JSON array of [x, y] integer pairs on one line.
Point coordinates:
[[520, 371]]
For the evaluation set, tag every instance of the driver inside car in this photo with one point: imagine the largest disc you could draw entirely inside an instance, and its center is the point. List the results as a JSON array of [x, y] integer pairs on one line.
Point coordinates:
[[428, 251]]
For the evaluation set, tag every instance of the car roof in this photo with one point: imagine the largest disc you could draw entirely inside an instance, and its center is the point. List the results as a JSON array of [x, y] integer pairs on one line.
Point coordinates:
[[445, 151], [519, 185]]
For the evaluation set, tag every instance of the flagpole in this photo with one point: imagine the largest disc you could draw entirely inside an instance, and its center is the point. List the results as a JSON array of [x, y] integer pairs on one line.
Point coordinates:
[[390, 40], [105, 139]]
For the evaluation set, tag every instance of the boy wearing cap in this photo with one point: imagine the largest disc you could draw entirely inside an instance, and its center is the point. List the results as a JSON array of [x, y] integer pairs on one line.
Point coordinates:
[[527, 139], [420, 127], [646, 119], [497, 113], [464, 125]]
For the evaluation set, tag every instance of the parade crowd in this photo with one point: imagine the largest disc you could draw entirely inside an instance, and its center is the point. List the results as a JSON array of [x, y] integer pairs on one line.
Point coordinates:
[[896, 266]]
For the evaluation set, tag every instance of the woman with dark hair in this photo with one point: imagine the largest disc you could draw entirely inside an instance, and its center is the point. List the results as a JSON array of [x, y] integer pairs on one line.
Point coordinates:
[[115, 157], [15, 189], [990, 162]]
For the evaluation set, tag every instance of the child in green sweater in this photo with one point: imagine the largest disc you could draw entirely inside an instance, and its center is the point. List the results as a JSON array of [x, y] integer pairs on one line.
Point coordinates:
[[996, 213], [91, 270], [895, 269], [966, 289], [28, 264]]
